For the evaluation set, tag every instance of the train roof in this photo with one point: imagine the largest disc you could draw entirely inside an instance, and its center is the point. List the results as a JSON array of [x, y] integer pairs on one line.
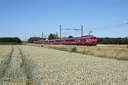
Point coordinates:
[[88, 36]]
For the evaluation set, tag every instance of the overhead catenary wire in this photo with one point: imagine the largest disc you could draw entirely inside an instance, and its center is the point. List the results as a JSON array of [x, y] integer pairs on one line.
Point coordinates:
[[109, 27], [76, 29]]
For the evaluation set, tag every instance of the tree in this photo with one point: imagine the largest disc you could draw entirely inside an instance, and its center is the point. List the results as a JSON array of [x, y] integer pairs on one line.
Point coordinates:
[[52, 36], [31, 39], [16, 39], [70, 36]]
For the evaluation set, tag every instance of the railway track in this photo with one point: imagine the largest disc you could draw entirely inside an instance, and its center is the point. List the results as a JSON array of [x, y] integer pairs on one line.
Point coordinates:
[[15, 70]]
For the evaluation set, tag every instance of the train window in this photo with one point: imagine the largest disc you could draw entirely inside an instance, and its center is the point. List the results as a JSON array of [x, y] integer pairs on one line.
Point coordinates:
[[72, 40], [58, 40], [69, 40], [51, 41], [93, 38]]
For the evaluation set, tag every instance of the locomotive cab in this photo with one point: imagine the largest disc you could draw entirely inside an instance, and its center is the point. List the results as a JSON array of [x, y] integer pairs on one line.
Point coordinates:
[[92, 40], [88, 40]]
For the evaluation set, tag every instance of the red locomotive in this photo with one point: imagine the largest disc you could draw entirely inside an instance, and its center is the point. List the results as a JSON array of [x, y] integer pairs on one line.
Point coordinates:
[[83, 40]]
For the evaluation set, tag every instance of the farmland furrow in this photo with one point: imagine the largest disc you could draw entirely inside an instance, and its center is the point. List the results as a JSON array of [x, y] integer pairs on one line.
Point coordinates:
[[5, 65], [16, 71], [26, 68]]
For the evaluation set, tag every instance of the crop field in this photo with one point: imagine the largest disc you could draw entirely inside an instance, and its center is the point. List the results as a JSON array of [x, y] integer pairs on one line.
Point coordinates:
[[29, 65], [119, 52]]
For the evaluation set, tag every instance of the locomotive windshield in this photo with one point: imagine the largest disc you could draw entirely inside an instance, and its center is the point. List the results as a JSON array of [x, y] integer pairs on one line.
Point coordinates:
[[93, 38]]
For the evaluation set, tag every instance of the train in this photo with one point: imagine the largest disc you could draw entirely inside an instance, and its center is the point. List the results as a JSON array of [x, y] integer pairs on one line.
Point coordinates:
[[83, 40]]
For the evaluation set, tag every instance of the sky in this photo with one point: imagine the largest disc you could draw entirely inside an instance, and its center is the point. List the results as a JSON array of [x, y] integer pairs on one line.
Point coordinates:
[[29, 18]]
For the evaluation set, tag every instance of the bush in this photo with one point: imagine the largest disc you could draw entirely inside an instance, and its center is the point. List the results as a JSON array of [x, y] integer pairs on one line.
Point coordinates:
[[73, 49]]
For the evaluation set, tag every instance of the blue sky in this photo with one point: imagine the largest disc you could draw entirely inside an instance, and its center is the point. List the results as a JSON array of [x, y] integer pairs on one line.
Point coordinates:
[[28, 18]]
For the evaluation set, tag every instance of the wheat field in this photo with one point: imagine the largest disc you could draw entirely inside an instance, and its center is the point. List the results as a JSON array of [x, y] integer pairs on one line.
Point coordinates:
[[43, 66], [4, 51], [119, 52]]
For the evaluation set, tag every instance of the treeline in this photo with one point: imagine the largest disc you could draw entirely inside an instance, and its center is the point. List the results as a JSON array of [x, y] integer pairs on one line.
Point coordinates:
[[31, 39], [10, 40], [50, 37], [108, 40]]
